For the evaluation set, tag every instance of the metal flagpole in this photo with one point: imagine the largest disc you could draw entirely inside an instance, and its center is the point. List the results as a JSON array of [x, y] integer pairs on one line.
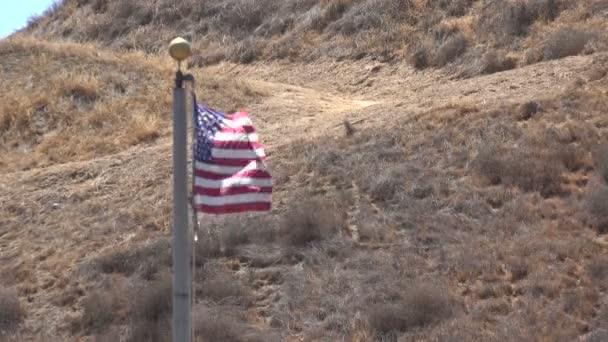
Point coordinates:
[[179, 49]]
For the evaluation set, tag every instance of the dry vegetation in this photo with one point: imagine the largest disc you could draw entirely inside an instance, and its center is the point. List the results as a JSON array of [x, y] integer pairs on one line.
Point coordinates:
[[65, 102], [481, 221], [473, 36]]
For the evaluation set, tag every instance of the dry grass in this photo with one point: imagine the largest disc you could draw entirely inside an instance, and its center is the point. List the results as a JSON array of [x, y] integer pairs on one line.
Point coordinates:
[[88, 103], [311, 221], [101, 310], [307, 30], [152, 312], [11, 313], [420, 306]]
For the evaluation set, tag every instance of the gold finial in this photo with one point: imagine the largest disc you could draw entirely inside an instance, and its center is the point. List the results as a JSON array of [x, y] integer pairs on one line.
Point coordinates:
[[180, 49]]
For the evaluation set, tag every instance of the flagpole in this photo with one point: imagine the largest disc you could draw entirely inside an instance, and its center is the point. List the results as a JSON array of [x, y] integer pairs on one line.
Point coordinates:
[[179, 49]]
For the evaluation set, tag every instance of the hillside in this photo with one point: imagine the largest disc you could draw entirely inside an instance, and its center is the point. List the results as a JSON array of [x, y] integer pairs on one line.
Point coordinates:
[[471, 37], [442, 203]]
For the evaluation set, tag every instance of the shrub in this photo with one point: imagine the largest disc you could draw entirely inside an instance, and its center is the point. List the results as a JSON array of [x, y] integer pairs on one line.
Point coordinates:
[[503, 21], [597, 203], [220, 328], [600, 157], [224, 288], [419, 306], [100, 308], [450, 49], [312, 220], [566, 42], [11, 313], [598, 269], [529, 170], [151, 313], [145, 260], [496, 61], [456, 7]]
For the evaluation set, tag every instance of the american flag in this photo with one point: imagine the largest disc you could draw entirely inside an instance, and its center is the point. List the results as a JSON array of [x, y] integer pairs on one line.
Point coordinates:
[[229, 171]]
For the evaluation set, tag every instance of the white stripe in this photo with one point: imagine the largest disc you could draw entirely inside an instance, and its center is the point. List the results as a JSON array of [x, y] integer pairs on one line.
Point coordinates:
[[230, 182], [240, 122], [223, 136], [228, 170], [237, 154], [232, 199]]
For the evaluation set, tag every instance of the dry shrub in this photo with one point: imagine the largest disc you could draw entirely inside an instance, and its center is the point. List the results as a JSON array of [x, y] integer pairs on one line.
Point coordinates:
[[598, 269], [11, 313], [503, 21], [527, 110], [456, 7], [566, 42], [145, 261], [152, 311], [597, 204], [572, 157], [223, 288], [529, 170], [496, 61], [450, 49], [312, 220], [419, 306], [144, 129], [600, 157], [81, 89], [219, 327], [519, 268], [245, 52], [419, 55], [100, 309]]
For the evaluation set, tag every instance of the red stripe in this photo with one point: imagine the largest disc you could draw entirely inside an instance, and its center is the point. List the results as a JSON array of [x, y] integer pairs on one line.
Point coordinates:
[[233, 208], [237, 145], [230, 162], [240, 129], [241, 174], [235, 190]]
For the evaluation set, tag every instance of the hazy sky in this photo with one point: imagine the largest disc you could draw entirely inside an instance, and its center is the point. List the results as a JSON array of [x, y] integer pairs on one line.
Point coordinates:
[[14, 13]]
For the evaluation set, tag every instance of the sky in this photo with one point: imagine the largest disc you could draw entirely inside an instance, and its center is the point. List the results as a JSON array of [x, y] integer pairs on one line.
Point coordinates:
[[14, 13]]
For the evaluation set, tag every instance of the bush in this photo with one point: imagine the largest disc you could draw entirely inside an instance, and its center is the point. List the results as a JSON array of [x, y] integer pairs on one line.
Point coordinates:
[[450, 49], [600, 157], [597, 203], [529, 170], [100, 308], [496, 61], [456, 7], [312, 220], [224, 288], [11, 313], [419, 306], [151, 313], [146, 261], [503, 21], [598, 269], [219, 327], [566, 42]]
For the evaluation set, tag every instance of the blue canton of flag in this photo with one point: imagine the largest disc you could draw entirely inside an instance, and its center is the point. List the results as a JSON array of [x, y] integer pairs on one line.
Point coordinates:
[[207, 123]]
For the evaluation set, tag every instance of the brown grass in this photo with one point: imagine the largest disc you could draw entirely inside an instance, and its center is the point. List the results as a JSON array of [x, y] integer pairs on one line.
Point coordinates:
[[101, 309], [306, 30], [11, 313], [88, 103], [420, 306], [311, 221], [152, 312], [597, 202]]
